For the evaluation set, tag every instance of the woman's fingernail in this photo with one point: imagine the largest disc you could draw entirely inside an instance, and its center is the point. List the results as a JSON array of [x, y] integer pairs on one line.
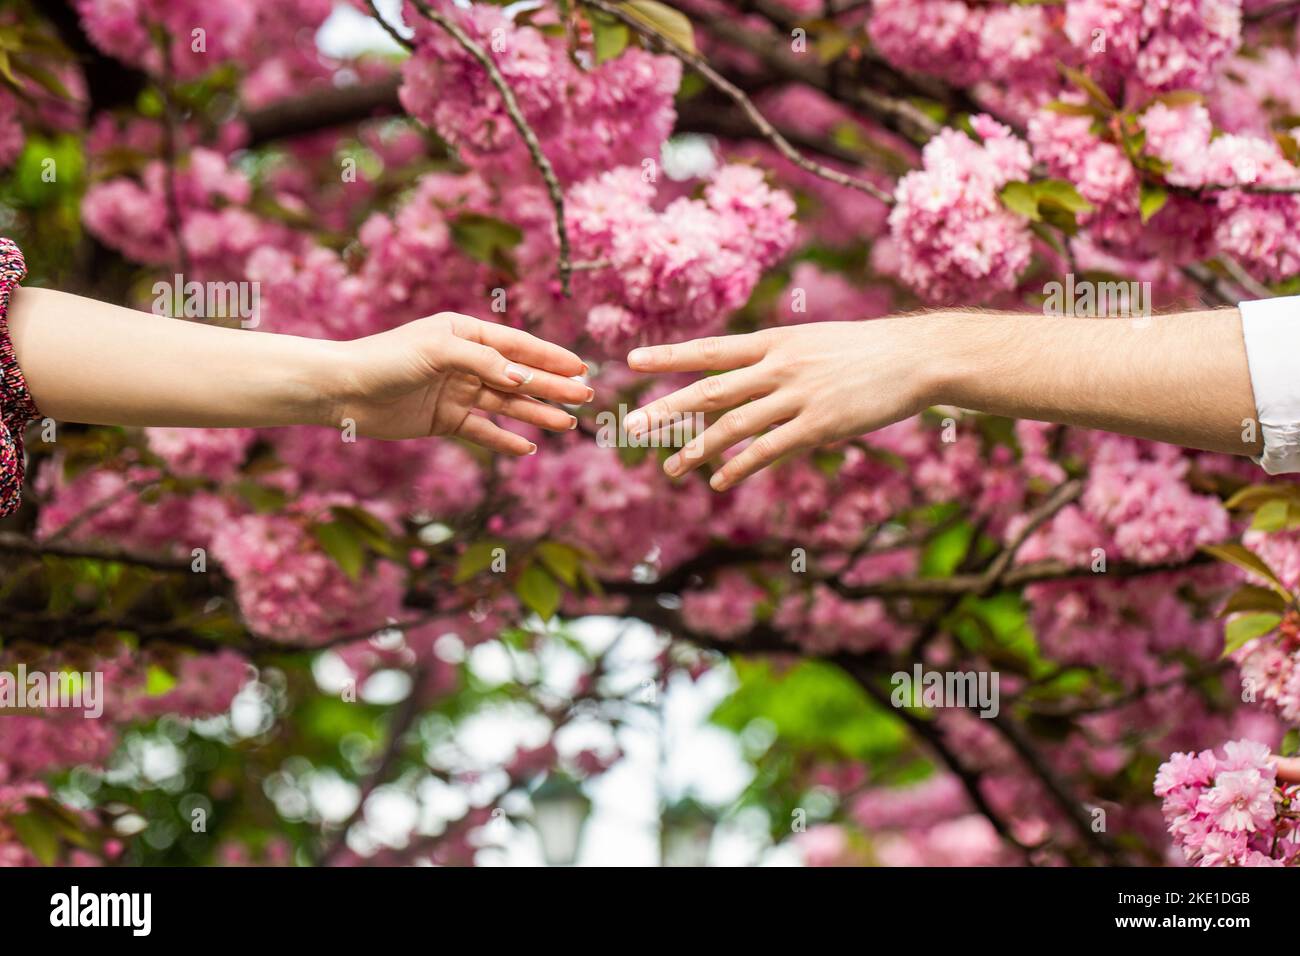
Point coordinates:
[[673, 464], [717, 482], [573, 423], [637, 356], [591, 393], [519, 374], [532, 449], [585, 369], [634, 423]]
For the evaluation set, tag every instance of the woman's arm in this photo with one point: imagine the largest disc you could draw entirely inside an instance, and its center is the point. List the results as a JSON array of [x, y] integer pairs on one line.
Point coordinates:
[[87, 361], [1176, 378]]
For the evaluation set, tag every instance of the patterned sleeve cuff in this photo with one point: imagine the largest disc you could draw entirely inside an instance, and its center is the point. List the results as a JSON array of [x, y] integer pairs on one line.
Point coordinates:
[[16, 406], [1271, 329]]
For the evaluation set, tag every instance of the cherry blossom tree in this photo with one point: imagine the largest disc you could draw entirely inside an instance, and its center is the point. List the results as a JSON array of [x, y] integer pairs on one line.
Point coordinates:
[[608, 174]]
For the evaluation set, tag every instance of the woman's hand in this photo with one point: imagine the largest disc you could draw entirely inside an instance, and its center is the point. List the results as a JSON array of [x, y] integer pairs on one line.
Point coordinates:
[[810, 384], [438, 375]]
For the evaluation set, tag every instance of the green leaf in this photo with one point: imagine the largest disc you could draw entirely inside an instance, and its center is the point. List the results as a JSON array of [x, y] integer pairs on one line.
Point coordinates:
[[609, 36], [6, 70], [262, 499], [1290, 743], [38, 836], [539, 591], [1251, 597], [1061, 192], [474, 560], [342, 543], [664, 20], [833, 45], [1271, 516], [1247, 560], [811, 706], [485, 239], [1059, 217], [1176, 98], [1086, 83], [1247, 627], [1074, 109], [373, 532], [43, 78], [561, 560], [1021, 198], [1253, 496], [945, 550], [1151, 199], [158, 681]]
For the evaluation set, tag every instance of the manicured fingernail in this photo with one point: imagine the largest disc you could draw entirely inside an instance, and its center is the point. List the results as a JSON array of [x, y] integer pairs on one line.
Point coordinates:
[[635, 423], [638, 356], [717, 482], [519, 374], [532, 449], [573, 423], [673, 464], [585, 369], [591, 393]]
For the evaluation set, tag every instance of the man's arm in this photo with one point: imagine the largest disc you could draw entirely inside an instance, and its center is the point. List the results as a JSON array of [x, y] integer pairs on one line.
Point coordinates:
[[1180, 378]]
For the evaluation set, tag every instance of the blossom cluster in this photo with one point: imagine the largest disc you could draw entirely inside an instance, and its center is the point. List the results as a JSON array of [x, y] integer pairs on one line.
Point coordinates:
[[679, 272], [951, 229], [1226, 811]]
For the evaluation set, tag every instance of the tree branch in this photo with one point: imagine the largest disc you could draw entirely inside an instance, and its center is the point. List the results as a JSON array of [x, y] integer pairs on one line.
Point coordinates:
[[525, 131], [725, 86]]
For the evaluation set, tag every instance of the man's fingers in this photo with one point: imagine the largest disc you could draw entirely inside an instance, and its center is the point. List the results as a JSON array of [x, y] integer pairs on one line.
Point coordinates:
[[760, 453], [528, 410], [709, 394], [489, 365], [716, 353], [732, 427], [528, 349], [481, 431]]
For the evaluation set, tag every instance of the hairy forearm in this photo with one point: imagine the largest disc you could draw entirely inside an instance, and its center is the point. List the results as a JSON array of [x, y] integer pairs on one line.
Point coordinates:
[[88, 361], [1179, 378]]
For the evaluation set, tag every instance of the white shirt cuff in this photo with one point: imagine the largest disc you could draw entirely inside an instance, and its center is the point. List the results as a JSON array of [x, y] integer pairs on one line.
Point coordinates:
[[1271, 329]]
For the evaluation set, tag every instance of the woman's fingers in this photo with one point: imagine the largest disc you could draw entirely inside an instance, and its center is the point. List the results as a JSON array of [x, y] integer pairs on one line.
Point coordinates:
[[481, 431], [489, 365], [732, 427], [706, 395], [528, 410], [716, 353], [528, 349], [760, 453], [1288, 769]]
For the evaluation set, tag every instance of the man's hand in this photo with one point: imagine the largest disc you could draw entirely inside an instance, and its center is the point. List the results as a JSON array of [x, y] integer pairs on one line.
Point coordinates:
[[809, 384]]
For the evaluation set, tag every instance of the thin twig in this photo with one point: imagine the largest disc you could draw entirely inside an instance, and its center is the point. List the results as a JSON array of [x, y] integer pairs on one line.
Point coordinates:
[[388, 27], [1263, 13], [1058, 499], [721, 83], [1248, 283], [99, 507], [403, 718], [168, 88], [525, 131]]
